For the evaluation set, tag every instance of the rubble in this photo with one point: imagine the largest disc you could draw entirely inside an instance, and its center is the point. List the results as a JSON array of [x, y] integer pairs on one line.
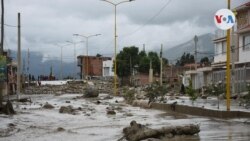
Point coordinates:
[[138, 132], [48, 106], [66, 109], [91, 92], [7, 109], [111, 112]]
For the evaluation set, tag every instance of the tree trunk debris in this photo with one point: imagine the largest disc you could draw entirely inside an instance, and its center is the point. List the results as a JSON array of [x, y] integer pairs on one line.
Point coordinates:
[[137, 132]]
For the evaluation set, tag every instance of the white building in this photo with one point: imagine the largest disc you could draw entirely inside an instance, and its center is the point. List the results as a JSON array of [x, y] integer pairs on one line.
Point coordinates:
[[220, 47], [243, 26], [240, 52], [200, 77], [107, 69]]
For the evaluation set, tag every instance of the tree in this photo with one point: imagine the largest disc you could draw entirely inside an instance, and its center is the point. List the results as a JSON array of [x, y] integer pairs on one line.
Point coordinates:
[[205, 61], [191, 92], [130, 56], [144, 64], [98, 55], [123, 60], [153, 56], [185, 59]]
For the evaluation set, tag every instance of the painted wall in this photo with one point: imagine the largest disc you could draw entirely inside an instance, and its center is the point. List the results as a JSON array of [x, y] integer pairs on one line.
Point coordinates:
[[107, 68]]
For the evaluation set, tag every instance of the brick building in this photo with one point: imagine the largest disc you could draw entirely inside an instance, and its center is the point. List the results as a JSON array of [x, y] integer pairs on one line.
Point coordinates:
[[91, 65]]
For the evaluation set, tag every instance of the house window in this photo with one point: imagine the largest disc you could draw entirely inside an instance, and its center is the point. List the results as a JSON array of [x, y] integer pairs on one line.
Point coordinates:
[[246, 42], [217, 51], [224, 47]]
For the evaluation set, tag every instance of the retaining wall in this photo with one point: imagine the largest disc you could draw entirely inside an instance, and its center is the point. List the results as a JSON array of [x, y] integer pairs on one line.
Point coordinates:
[[195, 110]]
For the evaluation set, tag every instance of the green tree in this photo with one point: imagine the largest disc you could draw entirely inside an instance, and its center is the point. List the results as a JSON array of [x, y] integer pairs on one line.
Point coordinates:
[[98, 55], [185, 59], [144, 64], [205, 61], [191, 92], [153, 56], [126, 59]]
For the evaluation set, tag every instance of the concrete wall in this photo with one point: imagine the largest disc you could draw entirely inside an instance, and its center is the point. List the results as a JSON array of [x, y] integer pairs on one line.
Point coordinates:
[[193, 110]]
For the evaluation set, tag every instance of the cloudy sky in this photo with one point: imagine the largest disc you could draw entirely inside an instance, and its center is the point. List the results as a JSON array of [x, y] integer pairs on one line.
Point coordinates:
[[46, 23]]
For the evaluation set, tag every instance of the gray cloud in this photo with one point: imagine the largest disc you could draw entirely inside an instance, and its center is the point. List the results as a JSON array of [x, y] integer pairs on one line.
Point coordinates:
[[49, 22]]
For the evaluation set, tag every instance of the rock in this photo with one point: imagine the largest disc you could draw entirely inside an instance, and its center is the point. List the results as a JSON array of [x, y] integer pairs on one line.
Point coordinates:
[[91, 92], [129, 114], [11, 125], [8, 109], [67, 101], [60, 129], [108, 97], [111, 112], [204, 97], [48, 106], [138, 132], [98, 102], [66, 109], [25, 100]]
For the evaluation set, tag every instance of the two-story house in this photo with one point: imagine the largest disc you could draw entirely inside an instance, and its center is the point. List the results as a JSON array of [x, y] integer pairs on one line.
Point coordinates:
[[239, 50]]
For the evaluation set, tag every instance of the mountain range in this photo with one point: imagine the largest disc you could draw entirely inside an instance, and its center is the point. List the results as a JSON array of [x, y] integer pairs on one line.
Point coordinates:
[[40, 67], [205, 48]]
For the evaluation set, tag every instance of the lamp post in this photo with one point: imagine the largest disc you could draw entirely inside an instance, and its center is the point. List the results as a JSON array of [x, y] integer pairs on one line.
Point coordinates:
[[74, 43], [87, 38], [115, 37], [61, 71]]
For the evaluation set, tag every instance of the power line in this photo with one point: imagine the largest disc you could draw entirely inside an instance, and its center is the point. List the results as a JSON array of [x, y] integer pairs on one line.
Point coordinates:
[[8, 25], [148, 21]]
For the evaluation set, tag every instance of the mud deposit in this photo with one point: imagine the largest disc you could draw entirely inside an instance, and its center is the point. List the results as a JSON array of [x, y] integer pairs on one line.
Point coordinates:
[[89, 121]]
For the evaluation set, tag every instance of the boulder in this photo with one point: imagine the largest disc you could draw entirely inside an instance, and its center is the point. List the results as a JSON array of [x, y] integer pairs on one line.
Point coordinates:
[[111, 112], [66, 109], [8, 109], [91, 92], [60, 129], [48, 106]]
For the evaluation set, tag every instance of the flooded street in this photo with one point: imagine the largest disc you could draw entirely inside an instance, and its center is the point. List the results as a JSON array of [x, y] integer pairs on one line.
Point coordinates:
[[91, 122]]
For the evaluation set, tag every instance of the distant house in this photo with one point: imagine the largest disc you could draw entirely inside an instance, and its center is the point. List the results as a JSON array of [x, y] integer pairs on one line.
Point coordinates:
[[200, 77], [91, 65], [107, 68]]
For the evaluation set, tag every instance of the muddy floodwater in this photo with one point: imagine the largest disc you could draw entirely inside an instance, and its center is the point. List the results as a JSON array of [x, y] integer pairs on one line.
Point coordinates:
[[91, 122]]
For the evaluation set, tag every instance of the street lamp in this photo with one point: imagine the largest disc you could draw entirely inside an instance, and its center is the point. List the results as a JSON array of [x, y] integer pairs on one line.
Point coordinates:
[[74, 43], [115, 37], [87, 38], [61, 73]]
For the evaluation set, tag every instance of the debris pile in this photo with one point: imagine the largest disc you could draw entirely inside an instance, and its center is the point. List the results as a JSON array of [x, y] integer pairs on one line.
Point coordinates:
[[137, 132]]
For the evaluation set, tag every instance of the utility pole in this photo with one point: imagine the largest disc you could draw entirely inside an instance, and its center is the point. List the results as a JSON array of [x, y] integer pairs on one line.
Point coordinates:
[[1, 49], [130, 65], [61, 73], [2, 28], [151, 73], [161, 65], [228, 73], [19, 57], [195, 52], [28, 67], [115, 38]]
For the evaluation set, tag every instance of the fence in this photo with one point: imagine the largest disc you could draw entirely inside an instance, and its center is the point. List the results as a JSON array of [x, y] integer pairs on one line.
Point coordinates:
[[241, 78]]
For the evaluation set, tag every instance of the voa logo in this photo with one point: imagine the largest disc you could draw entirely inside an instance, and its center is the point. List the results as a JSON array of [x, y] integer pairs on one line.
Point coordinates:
[[224, 19]]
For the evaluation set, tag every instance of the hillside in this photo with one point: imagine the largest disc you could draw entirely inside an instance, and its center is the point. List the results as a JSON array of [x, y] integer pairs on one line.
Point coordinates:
[[205, 48]]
